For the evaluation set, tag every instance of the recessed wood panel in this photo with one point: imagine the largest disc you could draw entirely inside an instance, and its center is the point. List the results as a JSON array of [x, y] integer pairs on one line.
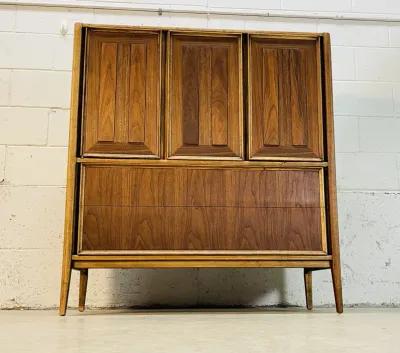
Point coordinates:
[[137, 208], [122, 100], [204, 111], [285, 114]]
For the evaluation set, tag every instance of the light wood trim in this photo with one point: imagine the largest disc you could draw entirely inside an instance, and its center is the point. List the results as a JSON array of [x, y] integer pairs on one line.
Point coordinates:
[[201, 252], [199, 264], [201, 163], [333, 227], [69, 224], [200, 257], [278, 34]]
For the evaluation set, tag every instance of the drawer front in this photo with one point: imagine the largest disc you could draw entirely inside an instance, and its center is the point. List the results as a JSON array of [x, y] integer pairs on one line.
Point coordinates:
[[285, 100], [142, 209], [204, 96], [122, 94]]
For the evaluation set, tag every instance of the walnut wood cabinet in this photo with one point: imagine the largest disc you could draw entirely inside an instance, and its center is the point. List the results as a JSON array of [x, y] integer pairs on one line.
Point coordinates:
[[194, 148]]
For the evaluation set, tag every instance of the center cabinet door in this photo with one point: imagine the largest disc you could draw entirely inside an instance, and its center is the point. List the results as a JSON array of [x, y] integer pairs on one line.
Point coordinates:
[[285, 100], [204, 96], [122, 104]]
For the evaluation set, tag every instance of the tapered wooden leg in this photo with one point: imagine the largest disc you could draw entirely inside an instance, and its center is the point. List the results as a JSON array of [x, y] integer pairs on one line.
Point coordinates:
[[65, 281], [337, 285], [82, 289], [308, 287]]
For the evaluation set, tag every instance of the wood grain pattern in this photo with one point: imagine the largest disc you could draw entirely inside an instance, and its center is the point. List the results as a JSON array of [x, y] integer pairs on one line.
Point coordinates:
[[204, 115], [219, 96], [187, 187], [107, 88], [122, 105], [200, 228], [127, 208], [285, 99], [271, 97], [137, 94]]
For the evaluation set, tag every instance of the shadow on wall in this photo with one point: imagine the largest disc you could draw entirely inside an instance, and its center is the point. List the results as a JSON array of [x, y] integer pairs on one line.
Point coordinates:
[[197, 288]]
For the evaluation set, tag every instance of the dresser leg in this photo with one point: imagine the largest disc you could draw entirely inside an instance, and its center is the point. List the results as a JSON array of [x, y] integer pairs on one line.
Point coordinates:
[[308, 287], [65, 281], [82, 288], [337, 285]]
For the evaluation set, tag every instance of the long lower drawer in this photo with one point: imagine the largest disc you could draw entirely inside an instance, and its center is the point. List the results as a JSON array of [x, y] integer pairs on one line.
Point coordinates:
[[139, 209]]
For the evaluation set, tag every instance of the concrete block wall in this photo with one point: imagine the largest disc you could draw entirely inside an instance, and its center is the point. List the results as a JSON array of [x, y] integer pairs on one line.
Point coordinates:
[[35, 73]]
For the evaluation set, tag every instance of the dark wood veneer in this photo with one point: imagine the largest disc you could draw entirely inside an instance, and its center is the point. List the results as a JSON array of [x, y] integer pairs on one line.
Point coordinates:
[[130, 209]]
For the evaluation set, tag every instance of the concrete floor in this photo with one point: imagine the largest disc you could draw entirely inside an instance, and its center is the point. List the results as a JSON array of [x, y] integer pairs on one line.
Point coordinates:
[[219, 331]]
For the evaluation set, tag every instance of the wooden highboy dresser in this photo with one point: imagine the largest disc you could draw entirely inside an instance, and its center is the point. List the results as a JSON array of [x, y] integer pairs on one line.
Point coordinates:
[[200, 148]]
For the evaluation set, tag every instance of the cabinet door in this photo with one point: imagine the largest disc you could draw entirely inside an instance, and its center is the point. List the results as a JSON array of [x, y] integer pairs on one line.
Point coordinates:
[[285, 101], [122, 98], [204, 113]]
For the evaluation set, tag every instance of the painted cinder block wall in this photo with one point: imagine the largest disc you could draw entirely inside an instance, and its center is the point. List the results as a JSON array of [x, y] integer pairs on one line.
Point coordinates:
[[35, 73]]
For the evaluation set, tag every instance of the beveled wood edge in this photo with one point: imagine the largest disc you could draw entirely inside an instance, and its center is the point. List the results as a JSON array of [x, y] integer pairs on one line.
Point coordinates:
[[280, 34], [254, 157], [185, 257], [202, 163], [202, 264]]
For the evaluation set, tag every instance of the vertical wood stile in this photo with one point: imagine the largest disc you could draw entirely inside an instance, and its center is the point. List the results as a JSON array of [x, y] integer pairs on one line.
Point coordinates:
[[69, 223], [331, 176]]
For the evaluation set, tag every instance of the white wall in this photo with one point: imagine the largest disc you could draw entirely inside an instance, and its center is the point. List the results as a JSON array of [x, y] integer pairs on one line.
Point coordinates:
[[35, 72]]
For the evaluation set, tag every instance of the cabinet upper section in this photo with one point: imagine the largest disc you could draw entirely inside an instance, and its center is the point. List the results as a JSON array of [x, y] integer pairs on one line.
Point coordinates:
[[191, 94]]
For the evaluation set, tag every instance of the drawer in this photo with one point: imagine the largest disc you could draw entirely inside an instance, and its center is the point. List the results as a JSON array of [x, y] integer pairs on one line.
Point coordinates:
[[131, 208]]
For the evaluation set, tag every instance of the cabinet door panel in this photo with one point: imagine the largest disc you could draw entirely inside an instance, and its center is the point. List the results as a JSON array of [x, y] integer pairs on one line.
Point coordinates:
[[285, 120], [122, 100], [204, 114]]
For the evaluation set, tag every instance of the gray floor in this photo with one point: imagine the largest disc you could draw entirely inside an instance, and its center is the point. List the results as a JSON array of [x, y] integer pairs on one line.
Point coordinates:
[[247, 331]]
